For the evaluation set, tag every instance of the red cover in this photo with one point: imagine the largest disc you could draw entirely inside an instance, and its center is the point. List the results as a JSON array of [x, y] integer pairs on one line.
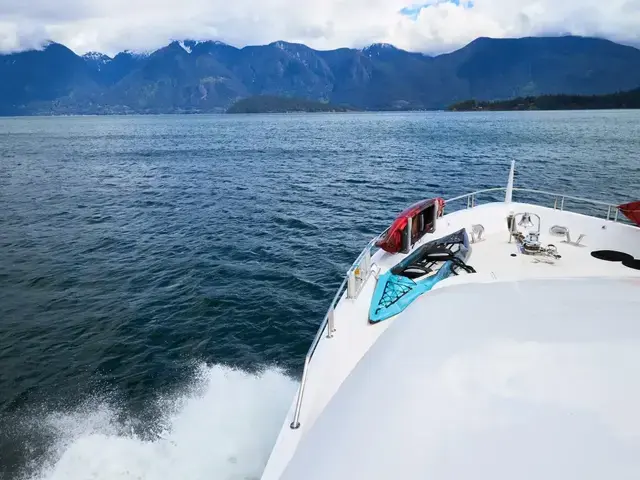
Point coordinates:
[[632, 211], [392, 240]]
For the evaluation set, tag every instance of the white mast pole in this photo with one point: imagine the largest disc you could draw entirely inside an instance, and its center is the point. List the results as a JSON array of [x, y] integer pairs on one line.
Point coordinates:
[[509, 193]]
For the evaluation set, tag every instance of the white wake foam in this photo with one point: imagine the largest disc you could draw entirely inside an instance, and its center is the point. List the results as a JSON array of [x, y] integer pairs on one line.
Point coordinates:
[[223, 429]]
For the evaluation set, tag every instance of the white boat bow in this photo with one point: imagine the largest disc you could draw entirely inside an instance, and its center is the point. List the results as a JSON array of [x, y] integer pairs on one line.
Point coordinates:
[[526, 369]]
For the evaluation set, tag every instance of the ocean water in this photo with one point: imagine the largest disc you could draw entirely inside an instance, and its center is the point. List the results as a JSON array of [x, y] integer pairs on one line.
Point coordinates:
[[161, 277]]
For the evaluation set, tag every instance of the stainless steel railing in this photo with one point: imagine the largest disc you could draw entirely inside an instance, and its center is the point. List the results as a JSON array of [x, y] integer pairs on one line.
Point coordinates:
[[328, 321], [327, 324], [559, 200]]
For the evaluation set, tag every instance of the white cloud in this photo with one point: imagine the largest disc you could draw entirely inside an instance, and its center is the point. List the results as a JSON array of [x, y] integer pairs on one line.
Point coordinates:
[[114, 25]]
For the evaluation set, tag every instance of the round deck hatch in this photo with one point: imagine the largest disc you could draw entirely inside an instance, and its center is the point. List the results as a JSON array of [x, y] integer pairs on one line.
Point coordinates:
[[633, 263], [611, 255]]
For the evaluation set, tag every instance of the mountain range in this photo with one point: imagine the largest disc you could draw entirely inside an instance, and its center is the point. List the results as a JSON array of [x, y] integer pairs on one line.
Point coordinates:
[[193, 77]]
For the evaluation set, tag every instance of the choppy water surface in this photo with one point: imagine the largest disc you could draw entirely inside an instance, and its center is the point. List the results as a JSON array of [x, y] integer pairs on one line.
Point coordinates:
[[161, 277]]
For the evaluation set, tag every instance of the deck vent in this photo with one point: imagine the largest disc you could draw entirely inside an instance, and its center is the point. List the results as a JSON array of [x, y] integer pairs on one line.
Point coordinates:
[[477, 233], [558, 231]]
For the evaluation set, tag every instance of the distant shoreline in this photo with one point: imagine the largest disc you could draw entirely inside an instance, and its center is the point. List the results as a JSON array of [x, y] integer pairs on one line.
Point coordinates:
[[372, 112], [616, 101], [281, 104]]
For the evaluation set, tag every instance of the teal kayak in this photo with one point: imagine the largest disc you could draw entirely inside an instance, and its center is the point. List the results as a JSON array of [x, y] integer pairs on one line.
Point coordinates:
[[418, 273]]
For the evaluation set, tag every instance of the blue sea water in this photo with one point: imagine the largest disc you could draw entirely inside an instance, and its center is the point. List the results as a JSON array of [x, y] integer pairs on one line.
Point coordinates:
[[161, 277]]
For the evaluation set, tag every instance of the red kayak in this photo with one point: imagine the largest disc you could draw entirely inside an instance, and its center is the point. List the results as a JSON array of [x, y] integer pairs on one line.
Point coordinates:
[[423, 215], [631, 211]]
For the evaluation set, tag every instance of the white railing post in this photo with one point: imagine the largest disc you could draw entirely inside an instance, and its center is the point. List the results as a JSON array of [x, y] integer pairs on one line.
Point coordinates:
[[351, 285], [295, 424], [365, 265], [331, 323], [508, 196]]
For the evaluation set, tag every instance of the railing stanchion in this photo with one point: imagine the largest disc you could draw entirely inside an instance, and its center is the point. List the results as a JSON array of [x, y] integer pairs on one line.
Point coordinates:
[[609, 212], [296, 416], [562, 204], [351, 285], [555, 204], [330, 323], [615, 218], [366, 263]]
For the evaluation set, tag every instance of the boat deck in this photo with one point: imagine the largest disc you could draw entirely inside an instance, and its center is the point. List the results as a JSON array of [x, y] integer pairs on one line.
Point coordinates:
[[494, 258]]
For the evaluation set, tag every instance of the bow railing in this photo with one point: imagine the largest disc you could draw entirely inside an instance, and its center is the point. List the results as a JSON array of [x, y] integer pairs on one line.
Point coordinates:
[[353, 282], [559, 200]]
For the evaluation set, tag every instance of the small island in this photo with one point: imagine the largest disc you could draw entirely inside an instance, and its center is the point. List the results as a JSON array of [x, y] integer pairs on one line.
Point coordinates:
[[622, 100], [274, 104]]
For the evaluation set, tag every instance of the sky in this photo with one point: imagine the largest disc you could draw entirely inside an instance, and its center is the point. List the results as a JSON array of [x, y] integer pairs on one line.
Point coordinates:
[[432, 27]]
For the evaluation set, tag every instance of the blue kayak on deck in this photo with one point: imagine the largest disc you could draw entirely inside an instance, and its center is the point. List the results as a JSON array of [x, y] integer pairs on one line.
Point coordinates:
[[418, 273]]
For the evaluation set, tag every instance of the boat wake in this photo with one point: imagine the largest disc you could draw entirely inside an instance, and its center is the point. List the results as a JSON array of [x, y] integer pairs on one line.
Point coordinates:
[[223, 428]]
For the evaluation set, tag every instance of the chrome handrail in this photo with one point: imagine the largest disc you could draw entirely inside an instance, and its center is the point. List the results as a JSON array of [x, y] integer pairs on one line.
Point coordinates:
[[471, 199], [467, 195], [560, 195], [327, 324]]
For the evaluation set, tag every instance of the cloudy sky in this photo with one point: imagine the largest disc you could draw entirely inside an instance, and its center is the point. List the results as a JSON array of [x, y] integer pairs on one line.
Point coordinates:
[[432, 27]]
